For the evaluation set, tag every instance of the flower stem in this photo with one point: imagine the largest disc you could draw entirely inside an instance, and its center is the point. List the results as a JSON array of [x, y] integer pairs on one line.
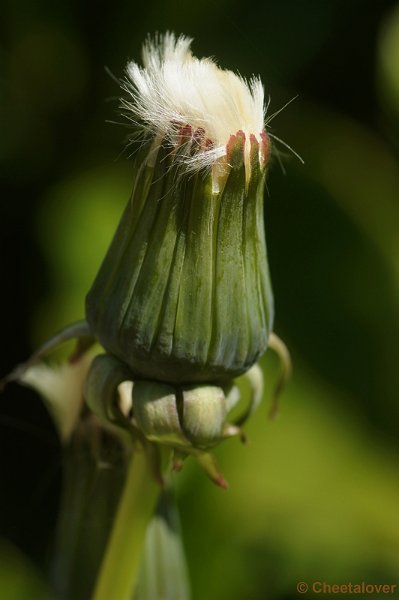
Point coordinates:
[[119, 571]]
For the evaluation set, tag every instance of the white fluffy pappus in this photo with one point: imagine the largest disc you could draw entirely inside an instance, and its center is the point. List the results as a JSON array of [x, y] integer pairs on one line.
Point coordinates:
[[175, 89]]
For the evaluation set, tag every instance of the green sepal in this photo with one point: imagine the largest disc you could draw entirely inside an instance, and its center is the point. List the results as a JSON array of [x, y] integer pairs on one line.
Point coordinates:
[[204, 415], [155, 413], [106, 373], [79, 330]]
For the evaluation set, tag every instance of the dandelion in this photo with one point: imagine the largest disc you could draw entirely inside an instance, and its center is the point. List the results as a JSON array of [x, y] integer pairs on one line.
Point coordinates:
[[194, 302], [182, 304]]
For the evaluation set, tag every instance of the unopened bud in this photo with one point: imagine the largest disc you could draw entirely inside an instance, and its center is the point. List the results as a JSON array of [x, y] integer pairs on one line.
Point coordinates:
[[183, 294]]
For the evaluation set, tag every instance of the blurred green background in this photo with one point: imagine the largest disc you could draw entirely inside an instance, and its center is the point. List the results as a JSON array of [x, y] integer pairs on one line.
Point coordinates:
[[315, 495]]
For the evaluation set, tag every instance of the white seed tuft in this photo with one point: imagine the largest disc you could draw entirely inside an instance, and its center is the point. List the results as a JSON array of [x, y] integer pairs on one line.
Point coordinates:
[[174, 89]]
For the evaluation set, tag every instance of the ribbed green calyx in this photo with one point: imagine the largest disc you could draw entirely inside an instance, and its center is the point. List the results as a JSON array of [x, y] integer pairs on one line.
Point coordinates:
[[183, 294]]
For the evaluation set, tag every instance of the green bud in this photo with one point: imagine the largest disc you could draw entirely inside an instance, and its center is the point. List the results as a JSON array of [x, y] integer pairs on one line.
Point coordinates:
[[183, 294]]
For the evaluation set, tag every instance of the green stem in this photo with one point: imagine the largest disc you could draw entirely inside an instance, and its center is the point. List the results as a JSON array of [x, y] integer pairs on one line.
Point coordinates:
[[121, 562]]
